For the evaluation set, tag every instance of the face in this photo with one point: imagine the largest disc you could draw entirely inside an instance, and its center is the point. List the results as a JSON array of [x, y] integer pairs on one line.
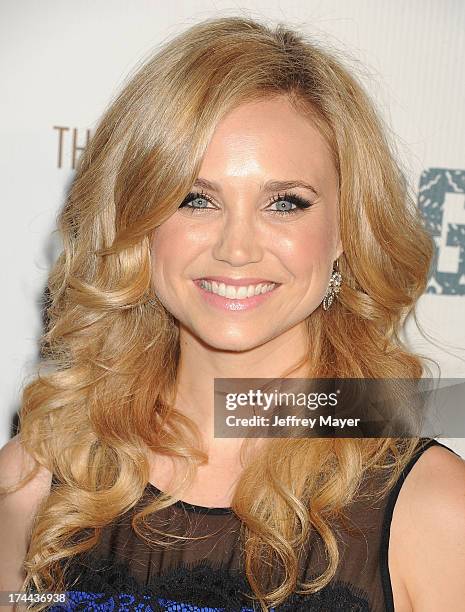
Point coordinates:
[[246, 258]]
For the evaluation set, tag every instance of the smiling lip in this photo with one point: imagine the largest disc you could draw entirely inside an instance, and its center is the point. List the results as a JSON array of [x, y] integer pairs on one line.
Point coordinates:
[[236, 281], [234, 304]]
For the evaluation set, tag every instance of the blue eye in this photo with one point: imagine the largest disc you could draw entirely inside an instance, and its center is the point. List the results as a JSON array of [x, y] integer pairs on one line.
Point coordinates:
[[192, 197], [290, 198], [298, 203]]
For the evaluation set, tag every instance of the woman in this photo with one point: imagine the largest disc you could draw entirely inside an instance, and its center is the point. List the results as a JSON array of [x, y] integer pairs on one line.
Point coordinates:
[[239, 178]]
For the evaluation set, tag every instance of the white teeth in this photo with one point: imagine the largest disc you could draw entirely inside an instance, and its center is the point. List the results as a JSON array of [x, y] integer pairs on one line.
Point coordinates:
[[236, 292]]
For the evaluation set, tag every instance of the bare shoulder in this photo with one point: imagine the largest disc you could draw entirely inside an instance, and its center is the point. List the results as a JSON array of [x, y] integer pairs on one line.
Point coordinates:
[[17, 510], [428, 532], [15, 463]]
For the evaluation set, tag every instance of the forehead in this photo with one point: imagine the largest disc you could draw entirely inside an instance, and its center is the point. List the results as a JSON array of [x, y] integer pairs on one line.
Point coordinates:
[[268, 137]]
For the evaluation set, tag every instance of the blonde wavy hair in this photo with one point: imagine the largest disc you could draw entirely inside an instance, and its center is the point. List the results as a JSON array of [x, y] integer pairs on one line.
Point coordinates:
[[103, 395]]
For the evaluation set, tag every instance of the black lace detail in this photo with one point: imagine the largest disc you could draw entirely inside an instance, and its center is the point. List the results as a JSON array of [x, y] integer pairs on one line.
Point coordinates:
[[337, 595], [105, 585]]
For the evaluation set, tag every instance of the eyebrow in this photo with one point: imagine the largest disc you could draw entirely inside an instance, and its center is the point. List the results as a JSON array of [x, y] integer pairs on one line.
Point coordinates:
[[267, 187]]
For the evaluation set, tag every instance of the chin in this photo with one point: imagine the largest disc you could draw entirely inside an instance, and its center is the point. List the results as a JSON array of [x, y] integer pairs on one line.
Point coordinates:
[[232, 342]]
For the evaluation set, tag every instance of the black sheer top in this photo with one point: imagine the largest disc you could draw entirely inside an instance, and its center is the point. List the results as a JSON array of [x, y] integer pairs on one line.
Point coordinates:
[[123, 572]]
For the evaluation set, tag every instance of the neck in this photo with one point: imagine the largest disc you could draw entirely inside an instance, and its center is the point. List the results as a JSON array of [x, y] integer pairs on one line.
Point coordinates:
[[200, 364]]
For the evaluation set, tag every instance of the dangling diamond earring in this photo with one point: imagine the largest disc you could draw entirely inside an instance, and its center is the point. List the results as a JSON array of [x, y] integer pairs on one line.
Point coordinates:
[[333, 287]]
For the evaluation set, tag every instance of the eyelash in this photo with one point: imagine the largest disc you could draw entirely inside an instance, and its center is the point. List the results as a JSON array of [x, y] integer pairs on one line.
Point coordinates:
[[299, 202]]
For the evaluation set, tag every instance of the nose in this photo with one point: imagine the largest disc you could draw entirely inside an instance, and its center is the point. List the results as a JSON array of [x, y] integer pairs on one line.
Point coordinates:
[[239, 241]]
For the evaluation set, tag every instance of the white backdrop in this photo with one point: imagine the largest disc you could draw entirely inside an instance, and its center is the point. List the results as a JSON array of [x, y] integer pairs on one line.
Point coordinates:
[[61, 62]]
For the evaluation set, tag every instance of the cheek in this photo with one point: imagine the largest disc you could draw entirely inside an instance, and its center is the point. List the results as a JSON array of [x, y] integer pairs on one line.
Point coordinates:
[[165, 238], [306, 253], [165, 246], [177, 236], [174, 246]]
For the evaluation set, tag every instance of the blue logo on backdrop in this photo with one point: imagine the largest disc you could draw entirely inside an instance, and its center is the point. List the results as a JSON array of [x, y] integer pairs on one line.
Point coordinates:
[[441, 199]]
